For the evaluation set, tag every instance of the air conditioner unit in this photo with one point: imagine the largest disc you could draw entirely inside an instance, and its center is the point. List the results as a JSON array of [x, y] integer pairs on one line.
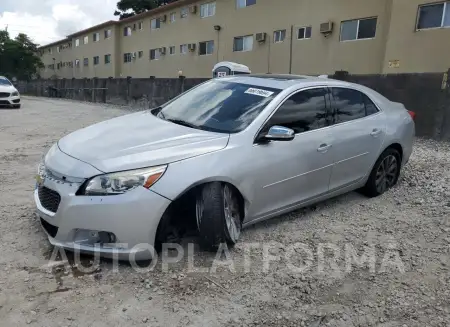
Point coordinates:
[[261, 37], [326, 28], [191, 47], [163, 18], [162, 50], [193, 9]]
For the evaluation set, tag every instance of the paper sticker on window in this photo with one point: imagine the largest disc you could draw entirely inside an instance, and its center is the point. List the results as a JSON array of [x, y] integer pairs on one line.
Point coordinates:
[[259, 92]]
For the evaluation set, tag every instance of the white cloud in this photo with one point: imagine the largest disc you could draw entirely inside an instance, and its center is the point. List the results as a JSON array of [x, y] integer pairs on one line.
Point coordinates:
[[50, 20]]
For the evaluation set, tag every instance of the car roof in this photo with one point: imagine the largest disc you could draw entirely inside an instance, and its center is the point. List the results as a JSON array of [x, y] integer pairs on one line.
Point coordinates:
[[281, 81]]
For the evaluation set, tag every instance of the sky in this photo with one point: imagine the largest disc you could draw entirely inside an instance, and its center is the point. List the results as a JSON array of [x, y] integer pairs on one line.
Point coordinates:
[[46, 21]]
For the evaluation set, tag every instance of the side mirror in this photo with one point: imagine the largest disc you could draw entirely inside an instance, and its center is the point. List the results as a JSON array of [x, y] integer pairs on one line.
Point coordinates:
[[279, 133]]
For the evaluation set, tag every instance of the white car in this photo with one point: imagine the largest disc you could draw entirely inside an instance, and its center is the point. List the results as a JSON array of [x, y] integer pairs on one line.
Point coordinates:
[[9, 96]]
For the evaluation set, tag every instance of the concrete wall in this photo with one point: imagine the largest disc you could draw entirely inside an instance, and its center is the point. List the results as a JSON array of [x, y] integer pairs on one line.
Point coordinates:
[[421, 93]]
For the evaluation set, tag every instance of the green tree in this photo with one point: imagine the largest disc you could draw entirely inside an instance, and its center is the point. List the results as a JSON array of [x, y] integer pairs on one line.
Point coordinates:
[[128, 8], [18, 57]]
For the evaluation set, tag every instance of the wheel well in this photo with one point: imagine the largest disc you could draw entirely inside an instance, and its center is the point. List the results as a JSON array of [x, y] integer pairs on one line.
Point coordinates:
[[397, 147], [182, 216]]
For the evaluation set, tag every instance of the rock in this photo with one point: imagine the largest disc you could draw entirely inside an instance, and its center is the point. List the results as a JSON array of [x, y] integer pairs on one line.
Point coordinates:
[[144, 320]]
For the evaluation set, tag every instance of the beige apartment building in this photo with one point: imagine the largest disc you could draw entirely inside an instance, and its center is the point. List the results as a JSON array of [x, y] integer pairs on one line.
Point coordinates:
[[270, 36]]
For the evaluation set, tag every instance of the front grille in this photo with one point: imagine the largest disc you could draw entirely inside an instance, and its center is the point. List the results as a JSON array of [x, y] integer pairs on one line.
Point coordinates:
[[4, 102], [49, 228], [49, 199], [4, 95]]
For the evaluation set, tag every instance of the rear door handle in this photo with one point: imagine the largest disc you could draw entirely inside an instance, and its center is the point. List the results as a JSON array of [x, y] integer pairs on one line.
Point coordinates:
[[375, 132], [324, 147]]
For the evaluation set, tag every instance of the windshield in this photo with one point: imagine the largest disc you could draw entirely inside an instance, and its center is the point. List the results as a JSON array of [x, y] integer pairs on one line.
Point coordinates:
[[4, 82], [219, 106]]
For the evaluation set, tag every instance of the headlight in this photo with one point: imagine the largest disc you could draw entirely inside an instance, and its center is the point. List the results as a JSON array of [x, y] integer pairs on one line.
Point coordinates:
[[15, 94], [121, 182]]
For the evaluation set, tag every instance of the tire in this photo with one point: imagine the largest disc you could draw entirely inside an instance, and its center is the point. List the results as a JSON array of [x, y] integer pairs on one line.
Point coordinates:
[[385, 173], [218, 215]]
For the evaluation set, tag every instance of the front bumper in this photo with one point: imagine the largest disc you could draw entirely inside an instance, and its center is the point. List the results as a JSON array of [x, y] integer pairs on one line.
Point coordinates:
[[10, 101], [132, 217]]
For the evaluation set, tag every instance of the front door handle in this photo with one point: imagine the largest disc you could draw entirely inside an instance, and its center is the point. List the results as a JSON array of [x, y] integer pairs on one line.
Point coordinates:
[[375, 132], [324, 147]]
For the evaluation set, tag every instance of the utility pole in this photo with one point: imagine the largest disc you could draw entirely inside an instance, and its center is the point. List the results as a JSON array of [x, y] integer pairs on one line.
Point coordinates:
[[6, 28]]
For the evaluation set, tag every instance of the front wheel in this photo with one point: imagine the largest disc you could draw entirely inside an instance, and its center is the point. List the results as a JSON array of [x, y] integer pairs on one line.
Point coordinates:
[[218, 215], [384, 174]]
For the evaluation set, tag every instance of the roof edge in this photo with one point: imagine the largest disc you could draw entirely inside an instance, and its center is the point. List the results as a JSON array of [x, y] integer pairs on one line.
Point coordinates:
[[93, 28]]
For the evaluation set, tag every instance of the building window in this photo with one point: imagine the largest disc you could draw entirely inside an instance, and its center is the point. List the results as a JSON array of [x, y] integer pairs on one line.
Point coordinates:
[[304, 33], [243, 43], [107, 59], [96, 60], [206, 48], [50, 50], [434, 16], [96, 37], [183, 49], [279, 36], [77, 63], [172, 50], [244, 3], [140, 54], [184, 12], [155, 23], [127, 57], [108, 34], [358, 29], [86, 40], [172, 17], [141, 25], [127, 31], [86, 62], [58, 49], [155, 54], [208, 9], [77, 42]]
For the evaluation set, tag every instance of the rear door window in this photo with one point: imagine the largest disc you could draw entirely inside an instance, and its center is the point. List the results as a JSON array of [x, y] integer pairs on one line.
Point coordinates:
[[351, 105], [304, 111]]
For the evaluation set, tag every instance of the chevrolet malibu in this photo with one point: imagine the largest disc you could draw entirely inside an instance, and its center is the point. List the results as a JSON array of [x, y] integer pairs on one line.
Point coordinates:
[[228, 153]]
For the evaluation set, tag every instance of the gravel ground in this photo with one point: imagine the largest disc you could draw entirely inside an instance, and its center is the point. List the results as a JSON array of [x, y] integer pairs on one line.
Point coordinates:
[[405, 233]]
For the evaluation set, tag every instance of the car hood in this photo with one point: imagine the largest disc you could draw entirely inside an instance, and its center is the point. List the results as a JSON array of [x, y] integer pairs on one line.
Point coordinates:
[[7, 88], [138, 140]]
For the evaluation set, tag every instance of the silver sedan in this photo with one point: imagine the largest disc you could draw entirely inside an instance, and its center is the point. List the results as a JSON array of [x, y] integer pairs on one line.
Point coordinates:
[[228, 153]]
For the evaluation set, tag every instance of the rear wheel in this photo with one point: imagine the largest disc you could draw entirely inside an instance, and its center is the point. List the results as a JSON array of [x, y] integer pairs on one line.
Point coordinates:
[[218, 215], [384, 174]]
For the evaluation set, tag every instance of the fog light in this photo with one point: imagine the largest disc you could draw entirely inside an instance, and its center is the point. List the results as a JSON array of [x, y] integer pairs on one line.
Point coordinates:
[[92, 237]]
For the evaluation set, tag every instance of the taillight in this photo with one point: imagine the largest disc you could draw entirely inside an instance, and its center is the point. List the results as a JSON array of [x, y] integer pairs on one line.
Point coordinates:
[[412, 114]]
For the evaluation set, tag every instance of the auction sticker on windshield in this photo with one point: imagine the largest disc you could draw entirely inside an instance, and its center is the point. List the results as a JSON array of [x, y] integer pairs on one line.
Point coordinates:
[[261, 93]]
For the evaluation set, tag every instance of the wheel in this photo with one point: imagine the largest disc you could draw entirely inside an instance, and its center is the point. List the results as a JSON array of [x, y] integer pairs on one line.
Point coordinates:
[[384, 174], [218, 215]]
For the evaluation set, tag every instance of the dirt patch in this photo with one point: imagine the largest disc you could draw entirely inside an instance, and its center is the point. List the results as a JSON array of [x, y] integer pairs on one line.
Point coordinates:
[[408, 230]]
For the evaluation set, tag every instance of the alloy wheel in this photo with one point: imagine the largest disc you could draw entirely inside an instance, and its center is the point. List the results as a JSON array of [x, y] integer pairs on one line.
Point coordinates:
[[386, 173], [232, 214]]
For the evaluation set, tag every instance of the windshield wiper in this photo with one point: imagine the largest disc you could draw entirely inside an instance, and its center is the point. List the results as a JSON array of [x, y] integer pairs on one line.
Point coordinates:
[[183, 123]]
